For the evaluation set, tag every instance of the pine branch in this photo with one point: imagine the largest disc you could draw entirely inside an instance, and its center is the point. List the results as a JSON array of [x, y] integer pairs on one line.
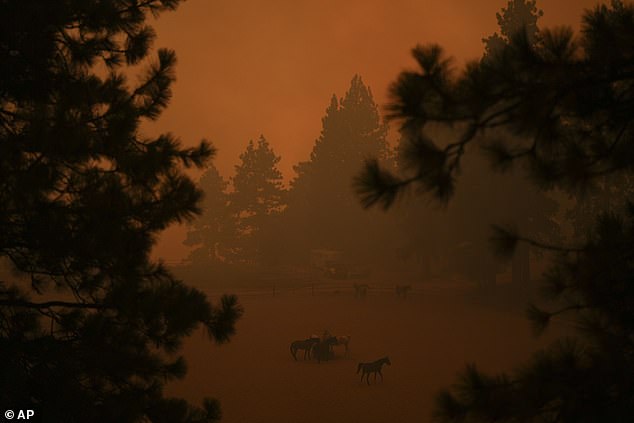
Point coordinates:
[[375, 185], [505, 240]]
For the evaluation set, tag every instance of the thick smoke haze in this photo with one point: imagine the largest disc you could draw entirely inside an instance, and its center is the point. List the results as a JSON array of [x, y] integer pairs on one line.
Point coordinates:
[[260, 211], [247, 68]]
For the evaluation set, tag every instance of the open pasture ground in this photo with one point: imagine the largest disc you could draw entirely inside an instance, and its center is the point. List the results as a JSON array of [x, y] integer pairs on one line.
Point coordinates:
[[429, 337]]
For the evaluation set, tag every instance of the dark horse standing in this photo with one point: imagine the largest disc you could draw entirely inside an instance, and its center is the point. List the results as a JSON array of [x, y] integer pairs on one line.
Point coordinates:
[[322, 350], [306, 345], [374, 367]]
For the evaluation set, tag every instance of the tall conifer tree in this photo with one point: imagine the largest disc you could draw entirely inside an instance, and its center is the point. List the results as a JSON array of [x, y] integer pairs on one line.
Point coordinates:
[[258, 196], [324, 210], [90, 326], [213, 232]]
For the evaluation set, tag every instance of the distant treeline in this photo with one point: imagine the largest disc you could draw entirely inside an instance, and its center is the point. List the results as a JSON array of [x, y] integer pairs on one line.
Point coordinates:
[[252, 219]]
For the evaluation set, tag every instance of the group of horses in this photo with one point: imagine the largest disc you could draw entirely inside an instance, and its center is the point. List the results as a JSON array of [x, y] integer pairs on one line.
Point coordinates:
[[319, 347], [322, 349]]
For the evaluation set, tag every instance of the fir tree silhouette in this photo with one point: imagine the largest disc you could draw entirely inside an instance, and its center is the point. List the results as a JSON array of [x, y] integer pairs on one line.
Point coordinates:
[[90, 326]]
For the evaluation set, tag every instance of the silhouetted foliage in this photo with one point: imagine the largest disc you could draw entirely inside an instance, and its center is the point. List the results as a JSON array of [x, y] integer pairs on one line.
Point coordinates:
[[238, 221], [519, 16], [324, 211], [352, 131], [610, 193], [258, 196], [482, 198], [566, 106], [524, 90], [90, 327], [212, 233]]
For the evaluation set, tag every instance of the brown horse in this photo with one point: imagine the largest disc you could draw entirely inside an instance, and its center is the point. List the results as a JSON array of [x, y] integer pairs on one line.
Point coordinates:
[[374, 367], [306, 345], [343, 340]]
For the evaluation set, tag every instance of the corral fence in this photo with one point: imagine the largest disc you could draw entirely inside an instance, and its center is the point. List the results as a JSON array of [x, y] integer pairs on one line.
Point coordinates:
[[506, 298], [344, 288]]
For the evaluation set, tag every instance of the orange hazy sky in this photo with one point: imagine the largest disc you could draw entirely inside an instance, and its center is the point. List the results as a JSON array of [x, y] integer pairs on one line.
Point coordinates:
[[251, 67]]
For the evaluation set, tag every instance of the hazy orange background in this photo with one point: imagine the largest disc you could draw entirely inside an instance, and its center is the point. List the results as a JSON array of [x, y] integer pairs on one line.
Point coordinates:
[[251, 67]]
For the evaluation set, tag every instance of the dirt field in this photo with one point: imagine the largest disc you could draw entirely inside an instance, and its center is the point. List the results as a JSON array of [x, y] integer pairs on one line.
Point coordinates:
[[428, 337]]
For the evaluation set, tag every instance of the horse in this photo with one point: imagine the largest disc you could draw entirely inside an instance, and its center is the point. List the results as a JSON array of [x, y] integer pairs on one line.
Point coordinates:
[[402, 290], [305, 344], [343, 340], [322, 350], [374, 367], [360, 291]]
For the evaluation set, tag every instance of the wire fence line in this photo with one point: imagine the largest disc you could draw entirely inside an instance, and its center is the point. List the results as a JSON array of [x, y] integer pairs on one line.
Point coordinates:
[[463, 292], [329, 289]]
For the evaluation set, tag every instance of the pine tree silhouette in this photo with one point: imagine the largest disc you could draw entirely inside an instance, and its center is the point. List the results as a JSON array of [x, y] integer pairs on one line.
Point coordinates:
[[213, 232], [323, 211], [90, 326], [258, 196], [567, 105]]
